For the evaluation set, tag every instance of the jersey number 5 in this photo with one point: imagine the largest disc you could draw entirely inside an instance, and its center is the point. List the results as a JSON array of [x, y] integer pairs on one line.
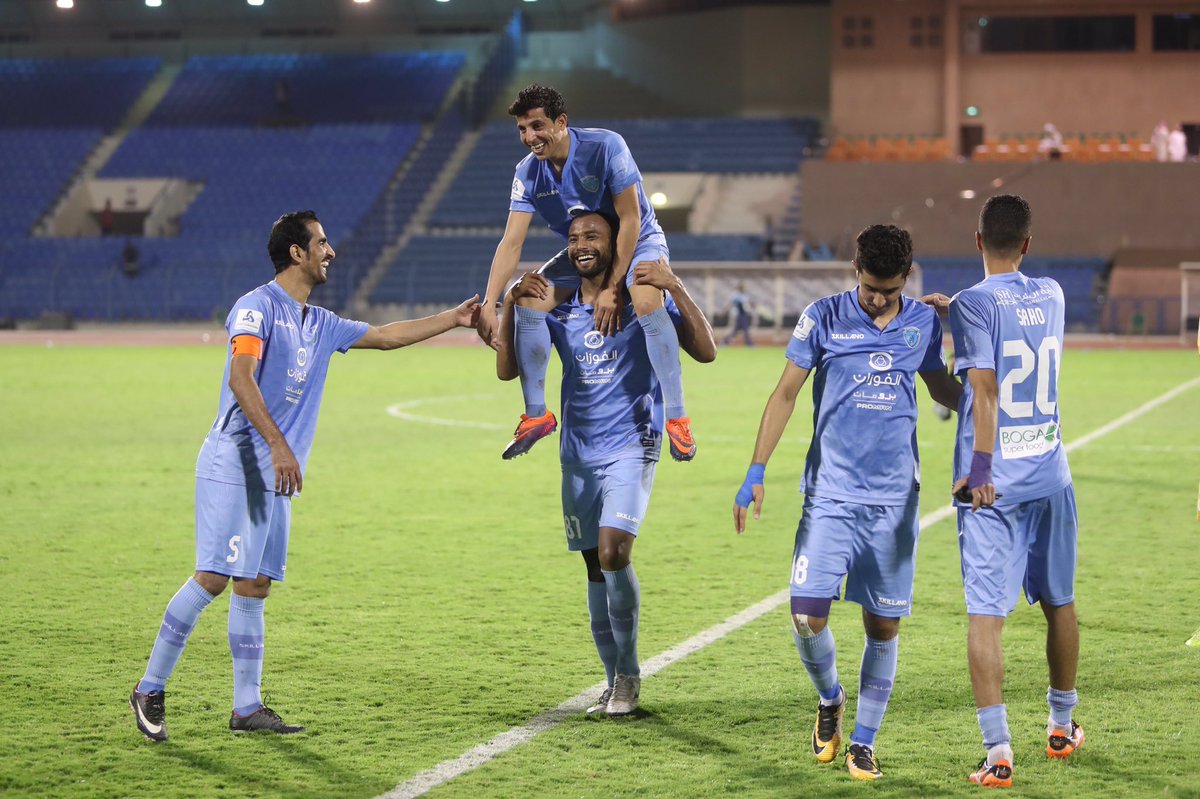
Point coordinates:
[[1046, 388]]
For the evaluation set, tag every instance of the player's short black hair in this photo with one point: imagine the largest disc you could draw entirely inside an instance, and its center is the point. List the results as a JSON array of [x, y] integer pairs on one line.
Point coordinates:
[[885, 251], [536, 96], [289, 229], [614, 223], [1004, 223]]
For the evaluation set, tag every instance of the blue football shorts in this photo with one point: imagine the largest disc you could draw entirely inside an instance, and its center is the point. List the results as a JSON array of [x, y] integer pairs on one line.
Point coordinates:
[[1028, 545], [241, 531], [561, 272], [614, 495], [873, 546]]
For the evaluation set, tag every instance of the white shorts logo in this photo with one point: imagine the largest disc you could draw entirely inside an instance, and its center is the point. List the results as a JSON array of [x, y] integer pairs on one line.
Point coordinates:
[[249, 320]]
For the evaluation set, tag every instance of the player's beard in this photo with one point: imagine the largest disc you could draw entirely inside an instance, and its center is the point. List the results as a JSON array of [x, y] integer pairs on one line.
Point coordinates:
[[599, 267]]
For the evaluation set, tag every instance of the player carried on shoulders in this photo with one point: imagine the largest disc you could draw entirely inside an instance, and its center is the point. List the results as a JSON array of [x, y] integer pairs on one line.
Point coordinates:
[[570, 171]]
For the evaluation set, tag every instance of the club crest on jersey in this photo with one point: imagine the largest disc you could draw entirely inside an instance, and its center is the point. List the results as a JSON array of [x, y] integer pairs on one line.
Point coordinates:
[[880, 361], [593, 339], [1004, 297], [590, 182], [912, 337]]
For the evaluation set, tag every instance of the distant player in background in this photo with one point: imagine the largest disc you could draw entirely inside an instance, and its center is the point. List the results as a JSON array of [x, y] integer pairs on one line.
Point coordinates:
[[612, 433], [864, 348], [568, 171], [741, 314], [1008, 336], [253, 459]]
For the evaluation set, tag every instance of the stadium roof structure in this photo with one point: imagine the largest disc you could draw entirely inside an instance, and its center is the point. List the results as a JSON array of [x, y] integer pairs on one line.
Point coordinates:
[[36, 20]]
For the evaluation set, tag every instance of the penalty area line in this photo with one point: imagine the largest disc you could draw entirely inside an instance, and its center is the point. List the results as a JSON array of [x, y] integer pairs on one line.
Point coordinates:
[[472, 759]]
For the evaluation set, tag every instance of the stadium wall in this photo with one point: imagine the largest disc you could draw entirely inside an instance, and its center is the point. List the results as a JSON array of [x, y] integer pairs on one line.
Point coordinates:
[[1079, 209], [754, 61], [895, 86]]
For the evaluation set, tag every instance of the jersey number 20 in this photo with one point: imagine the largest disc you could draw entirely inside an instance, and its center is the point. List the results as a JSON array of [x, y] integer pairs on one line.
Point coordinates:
[[1046, 389]]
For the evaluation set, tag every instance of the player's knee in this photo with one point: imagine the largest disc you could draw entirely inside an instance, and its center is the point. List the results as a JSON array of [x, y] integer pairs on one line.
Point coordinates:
[[211, 582], [256, 588], [807, 626], [613, 557], [881, 628], [646, 299]]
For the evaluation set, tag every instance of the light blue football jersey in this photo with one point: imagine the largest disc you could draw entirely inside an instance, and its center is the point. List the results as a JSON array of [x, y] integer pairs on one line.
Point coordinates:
[[291, 376], [599, 167], [1013, 324], [611, 403], [864, 444]]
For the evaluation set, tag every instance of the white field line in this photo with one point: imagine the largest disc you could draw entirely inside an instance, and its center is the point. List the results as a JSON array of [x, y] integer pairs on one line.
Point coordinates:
[[474, 758]]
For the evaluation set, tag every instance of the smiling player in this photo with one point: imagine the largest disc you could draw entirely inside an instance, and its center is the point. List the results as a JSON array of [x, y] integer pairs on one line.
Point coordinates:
[[569, 171]]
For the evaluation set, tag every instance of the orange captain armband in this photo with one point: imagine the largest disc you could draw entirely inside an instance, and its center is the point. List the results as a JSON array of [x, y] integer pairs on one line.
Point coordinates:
[[246, 345]]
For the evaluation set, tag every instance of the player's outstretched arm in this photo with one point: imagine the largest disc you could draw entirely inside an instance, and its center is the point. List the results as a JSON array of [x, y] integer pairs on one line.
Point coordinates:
[[530, 284], [504, 263], [409, 331], [288, 479], [695, 333], [775, 417], [943, 388]]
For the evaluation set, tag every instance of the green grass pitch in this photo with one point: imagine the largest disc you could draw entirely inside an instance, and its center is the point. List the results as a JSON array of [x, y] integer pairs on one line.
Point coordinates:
[[431, 604]]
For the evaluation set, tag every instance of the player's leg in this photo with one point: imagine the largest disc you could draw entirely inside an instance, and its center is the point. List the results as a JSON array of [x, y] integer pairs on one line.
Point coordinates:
[[993, 552], [624, 606], [532, 344], [601, 626], [263, 558], [581, 501], [1050, 580], [662, 345], [215, 517], [626, 495], [880, 579], [820, 559]]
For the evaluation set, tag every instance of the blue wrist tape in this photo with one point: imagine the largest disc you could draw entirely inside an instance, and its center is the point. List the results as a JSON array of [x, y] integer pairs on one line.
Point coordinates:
[[754, 477], [981, 469]]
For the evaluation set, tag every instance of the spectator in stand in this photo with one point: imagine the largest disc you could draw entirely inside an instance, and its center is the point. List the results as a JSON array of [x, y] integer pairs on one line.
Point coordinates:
[[1159, 139], [130, 259], [107, 217], [1050, 144], [1177, 145]]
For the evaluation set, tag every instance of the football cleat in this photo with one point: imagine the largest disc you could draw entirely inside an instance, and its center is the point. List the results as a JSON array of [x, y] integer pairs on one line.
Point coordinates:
[[997, 775], [860, 760], [1060, 743], [529, 431], [625, 691], [262, 719], [679, 433], [827, 731], [601, 705], [150, 712]]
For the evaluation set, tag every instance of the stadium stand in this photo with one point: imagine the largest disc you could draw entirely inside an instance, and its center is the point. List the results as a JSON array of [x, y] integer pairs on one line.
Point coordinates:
[[321, 88], [479, 195], [1077, 276], [76, 92]]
